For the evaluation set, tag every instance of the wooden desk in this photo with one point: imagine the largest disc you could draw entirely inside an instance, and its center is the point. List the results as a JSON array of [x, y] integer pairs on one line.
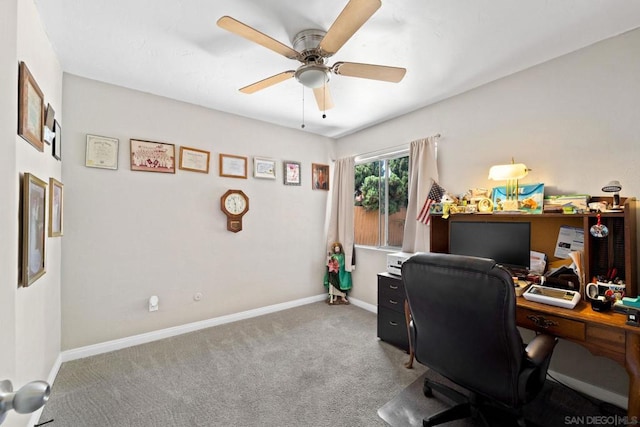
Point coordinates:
[[603, 334]]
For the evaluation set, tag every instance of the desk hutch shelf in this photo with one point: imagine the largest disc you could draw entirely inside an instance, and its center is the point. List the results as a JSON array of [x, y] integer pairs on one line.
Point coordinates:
[[617, 250]]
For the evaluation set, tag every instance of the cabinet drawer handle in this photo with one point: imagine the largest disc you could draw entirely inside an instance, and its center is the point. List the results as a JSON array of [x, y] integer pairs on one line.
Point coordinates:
[[541, 322], [393, 286], [393, 302], [392, 323]]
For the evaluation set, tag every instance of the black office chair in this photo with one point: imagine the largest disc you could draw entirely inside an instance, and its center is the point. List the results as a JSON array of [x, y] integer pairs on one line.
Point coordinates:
[[464, 327]]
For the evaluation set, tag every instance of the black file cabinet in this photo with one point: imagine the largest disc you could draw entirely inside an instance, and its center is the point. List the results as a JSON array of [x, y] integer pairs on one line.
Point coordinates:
[[392, 326]]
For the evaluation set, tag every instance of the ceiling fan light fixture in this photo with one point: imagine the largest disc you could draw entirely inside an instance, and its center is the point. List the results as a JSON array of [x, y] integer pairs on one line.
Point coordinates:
[[312, 76]]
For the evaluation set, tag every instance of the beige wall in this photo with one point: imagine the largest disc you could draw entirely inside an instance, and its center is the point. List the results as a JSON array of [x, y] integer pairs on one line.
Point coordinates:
[[573, 120], [130, 235]]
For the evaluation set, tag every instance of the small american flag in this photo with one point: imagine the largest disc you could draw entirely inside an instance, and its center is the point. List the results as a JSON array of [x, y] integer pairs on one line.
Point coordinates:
[[435, 195]]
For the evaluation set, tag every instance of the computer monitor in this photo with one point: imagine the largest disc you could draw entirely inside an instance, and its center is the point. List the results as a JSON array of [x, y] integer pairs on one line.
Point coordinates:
[[508, 243]]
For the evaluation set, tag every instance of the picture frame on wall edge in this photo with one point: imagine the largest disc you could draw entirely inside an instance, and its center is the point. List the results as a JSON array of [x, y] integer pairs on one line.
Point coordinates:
[[30, 109], [57, 141], [56, 200], [34, 202]]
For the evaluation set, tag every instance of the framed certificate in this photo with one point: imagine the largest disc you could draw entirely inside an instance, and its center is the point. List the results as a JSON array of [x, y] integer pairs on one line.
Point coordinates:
[[233, 166], [102, 152], [264, 168], [192, 159]]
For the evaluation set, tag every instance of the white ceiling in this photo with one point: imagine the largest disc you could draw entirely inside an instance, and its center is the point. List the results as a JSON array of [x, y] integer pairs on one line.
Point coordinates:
[[174, 48]]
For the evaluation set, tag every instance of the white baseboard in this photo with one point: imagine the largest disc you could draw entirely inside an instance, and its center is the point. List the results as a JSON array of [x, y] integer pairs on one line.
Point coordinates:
[[105, 347], [591, 390], [364, 305]]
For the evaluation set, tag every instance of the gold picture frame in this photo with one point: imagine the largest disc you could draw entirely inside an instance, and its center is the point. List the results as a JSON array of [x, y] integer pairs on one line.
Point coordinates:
[[319, 176], [152, 156], [34, 202], [30, 109], [194, 160], [233, 166], [56, 200]]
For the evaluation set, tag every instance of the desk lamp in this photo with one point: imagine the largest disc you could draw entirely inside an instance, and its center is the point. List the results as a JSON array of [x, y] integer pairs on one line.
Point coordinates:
[[511, 173], [29, 398], [614, 187]]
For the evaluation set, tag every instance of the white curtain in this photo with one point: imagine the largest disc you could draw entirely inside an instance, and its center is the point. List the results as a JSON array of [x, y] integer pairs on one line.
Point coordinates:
[[423, 170], [341, 216]]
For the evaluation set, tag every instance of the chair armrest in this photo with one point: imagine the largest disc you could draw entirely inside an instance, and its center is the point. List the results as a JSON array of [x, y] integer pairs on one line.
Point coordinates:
[[540, 348]]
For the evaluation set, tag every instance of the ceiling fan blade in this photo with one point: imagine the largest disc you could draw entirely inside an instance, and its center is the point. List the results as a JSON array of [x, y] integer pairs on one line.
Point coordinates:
[[323, 97], [352, 17], [249, 33], [369, 71], [269, 81]]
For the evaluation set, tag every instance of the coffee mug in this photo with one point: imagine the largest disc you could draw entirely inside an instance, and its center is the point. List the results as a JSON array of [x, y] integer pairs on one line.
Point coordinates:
[[594, 290]]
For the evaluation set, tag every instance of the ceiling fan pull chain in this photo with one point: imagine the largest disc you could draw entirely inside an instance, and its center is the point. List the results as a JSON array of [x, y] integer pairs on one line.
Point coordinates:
[[324, 101], [302, 126]]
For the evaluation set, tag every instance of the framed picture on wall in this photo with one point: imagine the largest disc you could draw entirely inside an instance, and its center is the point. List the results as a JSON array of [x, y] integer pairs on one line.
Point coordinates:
[[30, 109], [320, 176], [102, 152], [149, 156], [194, 160], [233, 166], [57, 140], [34, 202], [264, 168], [291, 172], [55, 207]]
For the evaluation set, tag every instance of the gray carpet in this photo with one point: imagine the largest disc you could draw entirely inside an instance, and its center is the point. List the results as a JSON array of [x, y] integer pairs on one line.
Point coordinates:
[[316, 365]]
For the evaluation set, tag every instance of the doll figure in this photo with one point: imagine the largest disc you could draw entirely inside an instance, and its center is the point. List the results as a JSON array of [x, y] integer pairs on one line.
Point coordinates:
[[337, 280]]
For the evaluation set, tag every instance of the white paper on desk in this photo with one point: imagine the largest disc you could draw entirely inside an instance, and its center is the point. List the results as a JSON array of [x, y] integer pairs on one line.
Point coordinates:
[[537, 262], [569, 239]]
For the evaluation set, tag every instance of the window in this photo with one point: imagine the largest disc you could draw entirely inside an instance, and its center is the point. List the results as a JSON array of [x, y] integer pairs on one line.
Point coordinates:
[[381, 188]]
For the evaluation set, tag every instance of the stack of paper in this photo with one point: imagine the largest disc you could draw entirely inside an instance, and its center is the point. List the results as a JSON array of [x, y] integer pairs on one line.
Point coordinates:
[[576, 203]]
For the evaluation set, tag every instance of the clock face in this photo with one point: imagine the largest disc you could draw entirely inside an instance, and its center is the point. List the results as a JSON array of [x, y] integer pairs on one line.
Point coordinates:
[[235, 203]]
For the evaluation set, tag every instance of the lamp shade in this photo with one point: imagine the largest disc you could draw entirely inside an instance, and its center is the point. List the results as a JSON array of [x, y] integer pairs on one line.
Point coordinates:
[[506, 172], [612, 187]]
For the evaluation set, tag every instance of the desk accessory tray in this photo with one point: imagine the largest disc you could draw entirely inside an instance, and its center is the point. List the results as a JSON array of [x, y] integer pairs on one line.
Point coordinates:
[[559, 297]]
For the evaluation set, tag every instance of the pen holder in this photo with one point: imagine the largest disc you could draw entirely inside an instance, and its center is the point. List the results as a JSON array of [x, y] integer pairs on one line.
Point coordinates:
[[601, 304]]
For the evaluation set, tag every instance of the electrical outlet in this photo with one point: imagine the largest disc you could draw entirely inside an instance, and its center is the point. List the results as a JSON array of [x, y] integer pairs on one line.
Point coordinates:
[[197, 296]]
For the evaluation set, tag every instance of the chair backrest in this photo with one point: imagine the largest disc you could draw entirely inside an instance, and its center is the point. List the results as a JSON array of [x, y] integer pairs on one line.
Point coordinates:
[[464, 324]]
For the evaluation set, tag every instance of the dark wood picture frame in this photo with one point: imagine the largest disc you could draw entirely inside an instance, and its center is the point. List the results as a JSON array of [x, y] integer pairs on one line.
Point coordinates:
[[320, 176], [150, 156], [30, 109], [56, 151]]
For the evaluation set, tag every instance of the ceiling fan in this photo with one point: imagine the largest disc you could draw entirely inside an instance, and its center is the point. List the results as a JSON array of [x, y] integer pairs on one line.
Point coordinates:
[[313, 47]]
